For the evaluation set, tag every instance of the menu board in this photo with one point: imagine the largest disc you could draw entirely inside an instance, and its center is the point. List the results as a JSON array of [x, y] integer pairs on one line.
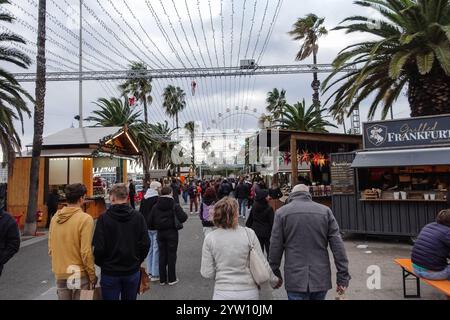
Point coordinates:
[[342, 177]]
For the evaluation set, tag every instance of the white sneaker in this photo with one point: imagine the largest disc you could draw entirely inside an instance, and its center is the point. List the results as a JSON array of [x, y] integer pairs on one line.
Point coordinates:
[[162, 283], [174, 283], [154, 279]]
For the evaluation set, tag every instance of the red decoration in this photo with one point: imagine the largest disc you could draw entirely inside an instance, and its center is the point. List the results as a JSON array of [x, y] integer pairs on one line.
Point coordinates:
[[287, 158], [131, 101], [319, 159], [193, 87], [305, 157]]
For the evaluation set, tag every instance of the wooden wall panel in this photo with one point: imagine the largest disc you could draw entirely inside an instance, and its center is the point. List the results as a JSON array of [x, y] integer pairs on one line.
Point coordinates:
[[88, 176], [18, 185]]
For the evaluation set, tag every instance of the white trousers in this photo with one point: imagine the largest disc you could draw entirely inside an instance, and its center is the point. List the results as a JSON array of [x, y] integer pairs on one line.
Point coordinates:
[[236, 295]]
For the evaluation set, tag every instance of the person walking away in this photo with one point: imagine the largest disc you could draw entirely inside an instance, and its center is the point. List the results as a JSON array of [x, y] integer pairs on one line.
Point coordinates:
[[185, 193], [70, 246], [224, 189], [52, 202], [207, 210], [199, 192], [261, 219], [225, 255], [275, 195], [162, 217], [132, 192], [175, 190], [242, 195], [9, 238], [432, 249], [193, 200], [150, 199], [121, 244], [303, 230]]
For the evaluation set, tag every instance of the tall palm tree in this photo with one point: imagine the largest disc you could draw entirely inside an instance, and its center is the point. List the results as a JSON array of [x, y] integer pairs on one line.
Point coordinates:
[[190, 126], [161, 135], [139, 87], [411, 50], [298, 117], [174, 102], [39, 108], [12, 95], [276, 100], [308, 30]]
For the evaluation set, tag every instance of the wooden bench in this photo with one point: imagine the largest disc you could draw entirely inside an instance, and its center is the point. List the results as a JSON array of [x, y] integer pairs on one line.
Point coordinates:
[[408, 274]]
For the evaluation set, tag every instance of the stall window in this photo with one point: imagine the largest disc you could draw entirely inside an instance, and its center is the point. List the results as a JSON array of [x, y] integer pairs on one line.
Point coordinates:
[[58, 171]]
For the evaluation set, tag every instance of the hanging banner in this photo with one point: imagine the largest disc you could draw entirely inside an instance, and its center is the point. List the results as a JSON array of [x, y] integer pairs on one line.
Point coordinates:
[[406, 133]]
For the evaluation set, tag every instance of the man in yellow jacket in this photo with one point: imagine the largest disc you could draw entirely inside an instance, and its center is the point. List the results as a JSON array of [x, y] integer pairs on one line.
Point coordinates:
[[70, 246]]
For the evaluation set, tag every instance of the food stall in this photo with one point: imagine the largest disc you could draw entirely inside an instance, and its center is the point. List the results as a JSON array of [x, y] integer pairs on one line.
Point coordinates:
[[74, 155], [399, 182], [310, 164]]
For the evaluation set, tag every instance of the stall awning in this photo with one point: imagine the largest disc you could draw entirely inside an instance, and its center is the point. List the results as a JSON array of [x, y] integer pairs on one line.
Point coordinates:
[[407, 157]]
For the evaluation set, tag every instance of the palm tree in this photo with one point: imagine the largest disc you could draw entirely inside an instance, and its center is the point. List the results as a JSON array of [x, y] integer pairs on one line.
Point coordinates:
[[161, 135], [39, 111], [12, 102], [190, 126], [411, 49], [297, 117], [308, 30], [174, 102], [139, 87], [266, 121], [276, 100], [113, 113]]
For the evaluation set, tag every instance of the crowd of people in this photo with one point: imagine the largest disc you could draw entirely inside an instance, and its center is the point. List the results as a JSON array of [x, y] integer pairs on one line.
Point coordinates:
[[123, 238]]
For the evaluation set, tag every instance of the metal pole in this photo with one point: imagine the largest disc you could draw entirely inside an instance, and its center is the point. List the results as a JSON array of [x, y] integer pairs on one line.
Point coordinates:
[[392, 113], [80, 88]]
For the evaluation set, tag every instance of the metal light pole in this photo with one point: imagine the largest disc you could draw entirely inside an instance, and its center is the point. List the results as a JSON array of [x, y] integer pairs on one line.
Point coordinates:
[[80, 88]]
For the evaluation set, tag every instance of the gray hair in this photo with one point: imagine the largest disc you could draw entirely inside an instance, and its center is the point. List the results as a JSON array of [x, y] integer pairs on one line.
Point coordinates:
[[300, 188]]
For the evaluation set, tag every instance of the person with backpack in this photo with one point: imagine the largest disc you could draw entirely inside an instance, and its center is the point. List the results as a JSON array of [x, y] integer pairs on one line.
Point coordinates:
[[167, 217], [207, 210], [121, 244], [193, 199]]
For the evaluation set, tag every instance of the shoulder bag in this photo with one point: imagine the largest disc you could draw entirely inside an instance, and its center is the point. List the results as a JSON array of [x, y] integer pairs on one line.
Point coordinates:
[[178, 224], [258, 268]]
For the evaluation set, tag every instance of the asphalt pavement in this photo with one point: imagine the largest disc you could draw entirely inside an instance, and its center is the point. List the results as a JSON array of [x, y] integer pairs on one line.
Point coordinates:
[[28, 275]]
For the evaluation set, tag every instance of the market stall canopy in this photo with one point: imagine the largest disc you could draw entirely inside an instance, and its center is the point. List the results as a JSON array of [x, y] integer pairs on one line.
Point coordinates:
[[398, 158], [93, 141]]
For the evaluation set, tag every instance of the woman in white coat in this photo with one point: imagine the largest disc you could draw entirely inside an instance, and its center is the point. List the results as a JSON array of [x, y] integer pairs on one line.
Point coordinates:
[[225, 256]]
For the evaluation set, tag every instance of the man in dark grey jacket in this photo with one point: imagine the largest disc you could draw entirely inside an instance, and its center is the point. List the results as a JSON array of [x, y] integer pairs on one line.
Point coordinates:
[[304, 229]]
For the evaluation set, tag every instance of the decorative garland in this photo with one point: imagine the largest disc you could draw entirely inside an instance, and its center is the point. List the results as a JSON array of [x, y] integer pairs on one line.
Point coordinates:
[[305, 157]]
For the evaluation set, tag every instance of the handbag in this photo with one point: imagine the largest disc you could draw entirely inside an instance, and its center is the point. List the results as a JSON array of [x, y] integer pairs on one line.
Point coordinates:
[[178, 224], [144, 285], [258, 268], [94, 293]]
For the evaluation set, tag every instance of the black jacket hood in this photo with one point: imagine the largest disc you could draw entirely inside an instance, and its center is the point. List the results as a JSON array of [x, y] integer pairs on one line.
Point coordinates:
[[121, 212], [165, 203]]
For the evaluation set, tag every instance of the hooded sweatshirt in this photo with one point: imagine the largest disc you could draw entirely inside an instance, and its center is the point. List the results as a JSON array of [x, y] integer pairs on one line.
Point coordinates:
[[150, 199], [70, 243], [121, 241], [163, 214]]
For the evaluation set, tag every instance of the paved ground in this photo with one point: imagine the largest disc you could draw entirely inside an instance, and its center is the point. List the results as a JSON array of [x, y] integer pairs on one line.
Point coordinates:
[[28, 275]]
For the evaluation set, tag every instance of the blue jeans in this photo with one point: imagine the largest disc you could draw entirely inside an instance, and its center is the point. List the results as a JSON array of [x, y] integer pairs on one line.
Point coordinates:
[[185, 196], [120, 287], [153, 254], [320, 295], [434, 275], [242, 207]]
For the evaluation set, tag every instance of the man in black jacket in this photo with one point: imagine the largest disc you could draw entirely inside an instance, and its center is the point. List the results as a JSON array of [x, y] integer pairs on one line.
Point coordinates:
[[225, 189], [242, 195], [167, 217], [9, 238], [121, 244]]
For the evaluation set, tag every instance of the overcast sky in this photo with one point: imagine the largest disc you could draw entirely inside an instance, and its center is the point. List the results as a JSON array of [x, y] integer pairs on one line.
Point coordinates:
[[114, 38]]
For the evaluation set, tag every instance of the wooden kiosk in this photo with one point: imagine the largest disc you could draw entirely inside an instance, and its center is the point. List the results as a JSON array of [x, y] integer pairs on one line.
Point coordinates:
[[399, 182], [70, 156]]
